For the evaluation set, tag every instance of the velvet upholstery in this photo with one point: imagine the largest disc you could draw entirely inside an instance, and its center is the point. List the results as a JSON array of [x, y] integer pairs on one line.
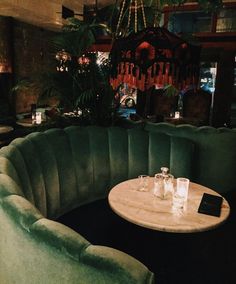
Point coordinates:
[[47, 174], [215, 153]]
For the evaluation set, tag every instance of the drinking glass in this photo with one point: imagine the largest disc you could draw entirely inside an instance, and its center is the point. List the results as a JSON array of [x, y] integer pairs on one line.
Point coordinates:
[[158, 186], [182, 187], [143, 181], [178, 201], [180, 194]]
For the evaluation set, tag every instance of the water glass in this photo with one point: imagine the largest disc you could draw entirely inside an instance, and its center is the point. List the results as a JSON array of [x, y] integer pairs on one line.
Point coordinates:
[[143, 181], [182, 187], [159, 186], [180, 194], [178, 201]]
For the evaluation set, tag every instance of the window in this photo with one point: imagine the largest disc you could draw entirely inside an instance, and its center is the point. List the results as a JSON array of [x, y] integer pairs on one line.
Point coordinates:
[[208, 76], [200, 21], [226, 21], [189, 22]]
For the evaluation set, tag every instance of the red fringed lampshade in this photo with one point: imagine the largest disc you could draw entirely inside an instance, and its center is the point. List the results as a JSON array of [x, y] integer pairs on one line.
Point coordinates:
[[154, 57]]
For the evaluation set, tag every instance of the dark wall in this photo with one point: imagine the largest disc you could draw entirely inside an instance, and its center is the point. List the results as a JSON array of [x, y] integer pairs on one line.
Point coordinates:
[[33, 49], [6, 76], [223, 96], [224, 88], [32, 54]]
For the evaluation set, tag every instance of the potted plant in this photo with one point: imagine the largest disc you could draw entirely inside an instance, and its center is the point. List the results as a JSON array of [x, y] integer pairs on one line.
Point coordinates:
[[80, 84]]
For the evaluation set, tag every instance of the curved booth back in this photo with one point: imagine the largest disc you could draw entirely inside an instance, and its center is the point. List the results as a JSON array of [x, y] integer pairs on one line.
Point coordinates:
[[62, 169], [45, 175], [214, 161]]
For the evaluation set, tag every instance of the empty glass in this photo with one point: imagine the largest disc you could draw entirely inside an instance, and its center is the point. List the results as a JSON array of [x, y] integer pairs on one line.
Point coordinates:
[[143, 182], [180, 195], [182, 187], [178, 201], [158, 186]]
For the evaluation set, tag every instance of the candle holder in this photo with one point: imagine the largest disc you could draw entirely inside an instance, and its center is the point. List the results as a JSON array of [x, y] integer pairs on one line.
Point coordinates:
[[177, 114], [38, 117]]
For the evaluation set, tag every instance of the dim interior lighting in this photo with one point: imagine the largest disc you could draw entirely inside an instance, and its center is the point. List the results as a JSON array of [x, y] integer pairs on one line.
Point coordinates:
[[5, 67], [83, 60], [63, 58], [102, 58]]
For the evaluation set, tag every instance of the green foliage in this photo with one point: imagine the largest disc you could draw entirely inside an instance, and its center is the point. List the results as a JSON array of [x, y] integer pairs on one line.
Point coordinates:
[[77, 36], [89, 88], [86, 85], [170, 91]]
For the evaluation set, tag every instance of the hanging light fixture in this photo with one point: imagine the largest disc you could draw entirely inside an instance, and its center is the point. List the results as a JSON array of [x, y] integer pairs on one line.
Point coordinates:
[[152, 56], [83, 63], [63, 58]]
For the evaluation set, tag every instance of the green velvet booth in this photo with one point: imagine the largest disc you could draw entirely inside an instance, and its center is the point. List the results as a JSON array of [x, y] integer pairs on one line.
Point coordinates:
[[214, 163], [47, 174]]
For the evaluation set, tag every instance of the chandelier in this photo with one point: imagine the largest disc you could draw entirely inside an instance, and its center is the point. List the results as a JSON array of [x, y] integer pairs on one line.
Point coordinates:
[[152, 56]]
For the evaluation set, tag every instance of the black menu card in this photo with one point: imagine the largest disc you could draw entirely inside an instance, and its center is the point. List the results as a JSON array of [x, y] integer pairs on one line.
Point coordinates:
[[210, 204]]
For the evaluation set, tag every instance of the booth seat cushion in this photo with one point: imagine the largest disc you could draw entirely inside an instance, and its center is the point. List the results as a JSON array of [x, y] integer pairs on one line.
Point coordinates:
[[38, 250]]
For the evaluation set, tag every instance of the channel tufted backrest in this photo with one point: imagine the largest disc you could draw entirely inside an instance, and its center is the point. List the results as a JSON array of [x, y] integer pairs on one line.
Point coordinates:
[[58, 170], [215, 153]]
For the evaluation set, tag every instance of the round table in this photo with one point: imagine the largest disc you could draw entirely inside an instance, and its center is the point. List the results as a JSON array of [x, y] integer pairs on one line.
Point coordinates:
[[5, 134], [4, 129], [146, 210], [26, 122]]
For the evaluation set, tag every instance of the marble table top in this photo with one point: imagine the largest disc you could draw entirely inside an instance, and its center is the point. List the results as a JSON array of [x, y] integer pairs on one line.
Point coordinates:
[[26, 122], [5, 129], [146, 210]]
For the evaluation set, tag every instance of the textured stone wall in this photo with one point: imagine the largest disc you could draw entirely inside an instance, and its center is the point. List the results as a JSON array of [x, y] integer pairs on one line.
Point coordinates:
[[5, 66], [5, 45], [33, 54]]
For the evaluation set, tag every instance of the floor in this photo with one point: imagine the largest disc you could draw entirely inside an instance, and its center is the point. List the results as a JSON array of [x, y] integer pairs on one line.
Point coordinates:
[[200, 258]]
